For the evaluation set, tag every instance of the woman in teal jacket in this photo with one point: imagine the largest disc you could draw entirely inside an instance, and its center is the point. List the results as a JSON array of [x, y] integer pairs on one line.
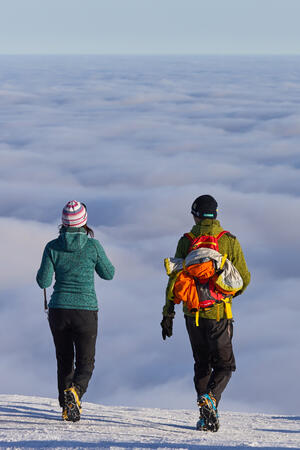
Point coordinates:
[[73, 257]]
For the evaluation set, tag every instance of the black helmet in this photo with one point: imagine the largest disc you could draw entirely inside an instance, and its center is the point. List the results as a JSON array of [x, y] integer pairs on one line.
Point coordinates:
[[205, 207]]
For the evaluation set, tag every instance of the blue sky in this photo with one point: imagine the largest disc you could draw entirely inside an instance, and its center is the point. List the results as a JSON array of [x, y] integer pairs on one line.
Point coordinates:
[[149, 27]]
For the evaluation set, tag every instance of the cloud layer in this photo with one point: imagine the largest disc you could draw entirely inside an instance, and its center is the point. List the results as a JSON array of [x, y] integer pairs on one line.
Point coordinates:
[[137, 139]]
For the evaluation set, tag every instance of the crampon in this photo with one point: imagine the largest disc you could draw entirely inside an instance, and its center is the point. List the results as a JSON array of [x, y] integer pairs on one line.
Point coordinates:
[[72, 409], [209, 418]]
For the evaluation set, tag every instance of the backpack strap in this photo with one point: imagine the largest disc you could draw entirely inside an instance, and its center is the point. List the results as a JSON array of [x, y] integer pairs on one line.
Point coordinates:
[[191, 237], [221, 234]]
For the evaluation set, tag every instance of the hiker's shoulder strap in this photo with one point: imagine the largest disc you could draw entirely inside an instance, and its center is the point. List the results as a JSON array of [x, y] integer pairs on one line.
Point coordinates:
[[222, 234], [228, 234], [191, 237]]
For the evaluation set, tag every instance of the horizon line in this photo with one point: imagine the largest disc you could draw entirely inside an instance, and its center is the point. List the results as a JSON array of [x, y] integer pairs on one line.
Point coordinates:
[[156, 55]]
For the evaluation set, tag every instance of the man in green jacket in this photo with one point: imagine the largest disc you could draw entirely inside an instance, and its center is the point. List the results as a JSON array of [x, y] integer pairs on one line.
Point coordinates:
[[211, 335]]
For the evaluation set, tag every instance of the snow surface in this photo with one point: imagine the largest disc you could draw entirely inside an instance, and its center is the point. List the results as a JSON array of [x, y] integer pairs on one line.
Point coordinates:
[[34, 422]]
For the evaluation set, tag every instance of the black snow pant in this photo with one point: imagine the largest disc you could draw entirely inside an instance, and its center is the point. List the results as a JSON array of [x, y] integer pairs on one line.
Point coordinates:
[[74, 333], [214, 360]]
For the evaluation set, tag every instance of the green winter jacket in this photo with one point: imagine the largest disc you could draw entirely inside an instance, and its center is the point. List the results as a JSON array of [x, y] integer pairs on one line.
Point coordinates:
[[228, 244], [73, 257]]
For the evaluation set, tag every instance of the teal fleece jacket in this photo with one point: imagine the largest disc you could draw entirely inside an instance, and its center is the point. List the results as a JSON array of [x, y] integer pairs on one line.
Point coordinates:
[[73, 257]]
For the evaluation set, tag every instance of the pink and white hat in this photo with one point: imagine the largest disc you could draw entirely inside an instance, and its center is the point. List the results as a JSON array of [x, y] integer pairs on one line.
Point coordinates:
[[74, 214]]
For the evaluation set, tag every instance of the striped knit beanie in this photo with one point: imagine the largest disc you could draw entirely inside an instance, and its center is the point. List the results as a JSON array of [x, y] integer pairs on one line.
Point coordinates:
[[74, 214]]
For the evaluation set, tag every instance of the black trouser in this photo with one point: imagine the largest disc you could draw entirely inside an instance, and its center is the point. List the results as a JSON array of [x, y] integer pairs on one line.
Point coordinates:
[[212, 350], [74, 332]]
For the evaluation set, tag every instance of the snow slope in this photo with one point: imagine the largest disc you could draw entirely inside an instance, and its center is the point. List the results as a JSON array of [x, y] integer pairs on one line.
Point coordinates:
[[31, 422]]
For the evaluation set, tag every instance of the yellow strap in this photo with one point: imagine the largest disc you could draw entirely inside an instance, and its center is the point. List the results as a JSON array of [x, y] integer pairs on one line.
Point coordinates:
[[223, 261], [228, 310], [183, 265], [197, 318], [167, 265], [197, 244]]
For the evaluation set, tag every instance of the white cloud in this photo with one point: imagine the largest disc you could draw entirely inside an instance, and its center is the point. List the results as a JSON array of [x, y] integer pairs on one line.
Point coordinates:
[[138, 140], [21, 246]]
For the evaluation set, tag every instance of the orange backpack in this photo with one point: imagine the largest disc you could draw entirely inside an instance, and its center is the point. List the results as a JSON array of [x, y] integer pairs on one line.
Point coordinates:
[[195, 284]]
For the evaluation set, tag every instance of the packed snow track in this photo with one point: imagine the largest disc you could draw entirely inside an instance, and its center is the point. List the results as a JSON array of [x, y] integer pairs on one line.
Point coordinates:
[[33, 422]]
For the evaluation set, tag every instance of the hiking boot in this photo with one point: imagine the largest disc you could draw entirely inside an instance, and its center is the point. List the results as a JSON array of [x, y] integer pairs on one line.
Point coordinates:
[[209, 418], [72, 408]]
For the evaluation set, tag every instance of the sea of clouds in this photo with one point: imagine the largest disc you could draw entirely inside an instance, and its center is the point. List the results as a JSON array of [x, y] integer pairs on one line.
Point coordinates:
[[138, 139]]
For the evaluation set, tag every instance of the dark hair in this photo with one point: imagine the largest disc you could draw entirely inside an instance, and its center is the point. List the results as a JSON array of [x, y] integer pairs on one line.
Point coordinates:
[[88, 230]]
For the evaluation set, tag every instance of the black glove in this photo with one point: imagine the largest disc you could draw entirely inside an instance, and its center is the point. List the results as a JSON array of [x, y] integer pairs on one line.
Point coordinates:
[[167, 325]]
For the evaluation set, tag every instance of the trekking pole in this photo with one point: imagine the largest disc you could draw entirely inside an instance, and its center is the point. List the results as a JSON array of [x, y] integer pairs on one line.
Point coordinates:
[[45, 302]]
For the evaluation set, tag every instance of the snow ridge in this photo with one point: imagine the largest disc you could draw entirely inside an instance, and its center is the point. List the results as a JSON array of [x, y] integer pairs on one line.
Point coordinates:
[[34, 422]]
